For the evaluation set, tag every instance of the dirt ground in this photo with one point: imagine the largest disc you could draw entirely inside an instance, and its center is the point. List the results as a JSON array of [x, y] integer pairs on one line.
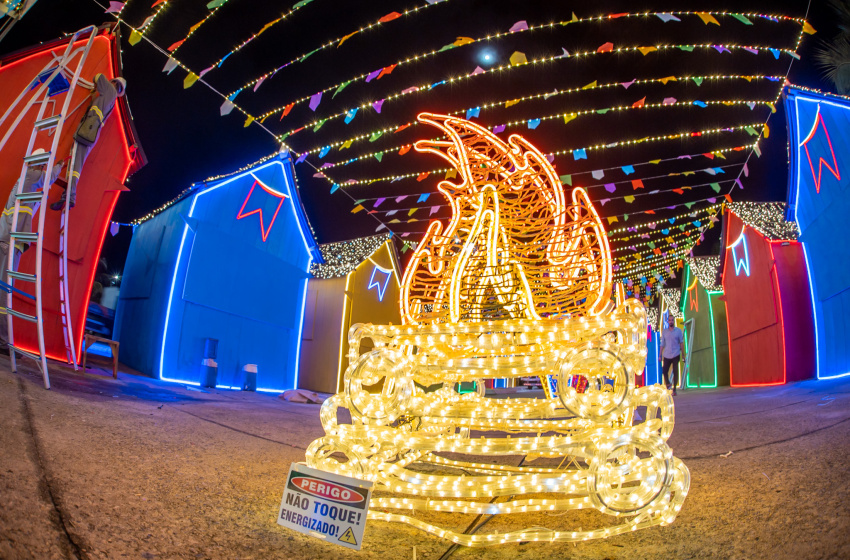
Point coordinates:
[[136, 468]]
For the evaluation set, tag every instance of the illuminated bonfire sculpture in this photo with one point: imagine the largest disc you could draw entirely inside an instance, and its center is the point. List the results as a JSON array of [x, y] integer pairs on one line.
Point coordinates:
[[517, 284]]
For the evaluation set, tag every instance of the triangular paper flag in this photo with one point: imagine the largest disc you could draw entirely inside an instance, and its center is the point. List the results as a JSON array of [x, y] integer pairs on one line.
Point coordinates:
[[707, 18], [518, 58], [170, 65], [315, 99], [519, 26], [189, 80], [135, 37]]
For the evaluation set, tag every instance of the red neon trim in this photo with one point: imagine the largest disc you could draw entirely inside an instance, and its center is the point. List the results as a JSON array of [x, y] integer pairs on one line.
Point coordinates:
[[259, 211], [778, 294], [821, 163]]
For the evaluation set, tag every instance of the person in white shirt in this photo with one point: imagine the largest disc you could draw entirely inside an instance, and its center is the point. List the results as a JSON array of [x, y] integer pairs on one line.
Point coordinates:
[[671, 351]]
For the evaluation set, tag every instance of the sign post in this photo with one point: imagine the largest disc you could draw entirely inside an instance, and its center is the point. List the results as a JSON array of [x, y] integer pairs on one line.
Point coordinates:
[[324, 505]]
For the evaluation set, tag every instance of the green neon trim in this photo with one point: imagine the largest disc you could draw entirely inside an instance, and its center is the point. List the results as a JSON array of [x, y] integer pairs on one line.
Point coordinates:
[[713, 339]]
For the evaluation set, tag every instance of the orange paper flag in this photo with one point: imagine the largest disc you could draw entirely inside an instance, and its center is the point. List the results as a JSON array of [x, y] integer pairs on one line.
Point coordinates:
[[639, 102]]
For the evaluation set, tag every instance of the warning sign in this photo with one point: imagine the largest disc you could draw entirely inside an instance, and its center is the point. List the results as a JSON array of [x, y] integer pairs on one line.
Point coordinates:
[[325, 505]]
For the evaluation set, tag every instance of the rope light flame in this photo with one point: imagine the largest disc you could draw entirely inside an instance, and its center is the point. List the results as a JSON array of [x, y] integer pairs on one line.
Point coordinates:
[[513, 247], [517, 284]]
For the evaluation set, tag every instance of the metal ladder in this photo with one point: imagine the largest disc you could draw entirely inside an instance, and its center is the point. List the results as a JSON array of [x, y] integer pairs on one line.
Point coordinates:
[[43, 124]]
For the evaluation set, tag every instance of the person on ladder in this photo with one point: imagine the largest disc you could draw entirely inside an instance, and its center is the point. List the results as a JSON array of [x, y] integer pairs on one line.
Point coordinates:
[[33, 181], [108, 92]]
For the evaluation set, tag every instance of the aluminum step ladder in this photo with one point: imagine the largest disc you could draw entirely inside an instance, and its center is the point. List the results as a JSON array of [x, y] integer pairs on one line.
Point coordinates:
[[45, 125]]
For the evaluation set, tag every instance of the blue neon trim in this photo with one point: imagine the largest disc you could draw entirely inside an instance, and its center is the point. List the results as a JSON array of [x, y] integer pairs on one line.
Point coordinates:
[[814, 309], [744, 263], [271, 390], [300, 330], [381, 289]]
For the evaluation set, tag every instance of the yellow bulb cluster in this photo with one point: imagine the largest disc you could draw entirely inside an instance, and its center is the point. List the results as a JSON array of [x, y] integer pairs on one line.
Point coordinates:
[[431, 449]]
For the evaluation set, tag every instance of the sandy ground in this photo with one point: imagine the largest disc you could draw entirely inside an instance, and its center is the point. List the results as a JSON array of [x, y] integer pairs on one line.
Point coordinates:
[[135, 468]]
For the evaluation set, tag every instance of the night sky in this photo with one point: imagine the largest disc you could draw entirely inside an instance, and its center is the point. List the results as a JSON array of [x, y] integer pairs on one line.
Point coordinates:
[[186, 140]]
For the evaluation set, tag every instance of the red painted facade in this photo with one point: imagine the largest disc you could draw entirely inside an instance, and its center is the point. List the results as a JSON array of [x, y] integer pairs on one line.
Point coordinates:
[[112, 159], [768, 308]]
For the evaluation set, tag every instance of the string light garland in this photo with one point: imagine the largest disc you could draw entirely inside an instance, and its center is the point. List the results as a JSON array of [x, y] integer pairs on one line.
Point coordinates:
[[344, 256], [500, 69], [705, 269], [768, 218], [496, 327], [663, 80], [492, 37], [586, 149], [524, 122], [198, 25], [672, 298], [333, 42]]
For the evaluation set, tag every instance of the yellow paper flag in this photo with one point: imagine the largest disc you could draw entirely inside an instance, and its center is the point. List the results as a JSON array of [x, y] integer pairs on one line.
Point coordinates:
[[451, 174], [667, 79], [347, 37], [646, 50], [248, 121], [463, 41], [357, 209], [807, 28], [629, 199], [135, 37], [590, 85], [196, 26], [612, 219], [766, 131], [189, 80], [512, 102], [518, 58], [707, 18], [568, 118], [346, 144]]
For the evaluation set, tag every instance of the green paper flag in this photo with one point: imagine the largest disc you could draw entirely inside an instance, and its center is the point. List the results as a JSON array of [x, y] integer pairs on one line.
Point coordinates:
[[742, 18], [379, 155], [215, 4], [318, 126], [715, 187], [567, 180], [687, 48], [697, 81], [341, 87]]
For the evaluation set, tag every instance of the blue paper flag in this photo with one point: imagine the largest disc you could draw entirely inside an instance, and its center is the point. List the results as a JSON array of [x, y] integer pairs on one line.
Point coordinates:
[[579, 154]]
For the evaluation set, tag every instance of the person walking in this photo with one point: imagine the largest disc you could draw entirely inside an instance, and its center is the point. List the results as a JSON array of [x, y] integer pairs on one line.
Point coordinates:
[[672, 350]]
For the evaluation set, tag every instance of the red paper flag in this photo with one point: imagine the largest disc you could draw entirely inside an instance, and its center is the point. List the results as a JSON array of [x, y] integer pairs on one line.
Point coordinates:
[[728, 197], [386, 71], [639, 102], [423, 175], [287, 109], [607, 47], [402, 127], [404, 150], [389, 17], [679, 191], [174, 47], [637, 184]]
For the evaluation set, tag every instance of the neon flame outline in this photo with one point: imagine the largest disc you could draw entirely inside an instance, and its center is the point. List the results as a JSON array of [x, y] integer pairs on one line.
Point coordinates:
[[560, 250]]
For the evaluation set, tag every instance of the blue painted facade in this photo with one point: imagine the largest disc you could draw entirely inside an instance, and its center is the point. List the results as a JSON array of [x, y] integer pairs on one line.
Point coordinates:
[[819, 201], [227, 262]]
